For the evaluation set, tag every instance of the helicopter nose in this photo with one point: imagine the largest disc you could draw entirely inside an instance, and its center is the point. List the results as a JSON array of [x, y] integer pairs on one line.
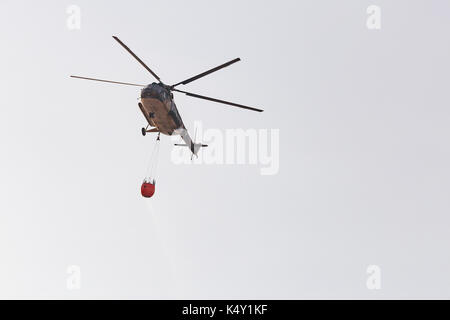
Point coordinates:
[[147, 92]]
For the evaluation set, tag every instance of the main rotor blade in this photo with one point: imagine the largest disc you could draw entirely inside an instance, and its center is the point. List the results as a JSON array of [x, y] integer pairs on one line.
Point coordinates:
[[136, 57], [109, 81], [207, 72], [219, 101]]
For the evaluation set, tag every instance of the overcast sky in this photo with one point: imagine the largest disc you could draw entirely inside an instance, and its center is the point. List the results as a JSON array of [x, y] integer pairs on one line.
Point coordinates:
[[364, 158]]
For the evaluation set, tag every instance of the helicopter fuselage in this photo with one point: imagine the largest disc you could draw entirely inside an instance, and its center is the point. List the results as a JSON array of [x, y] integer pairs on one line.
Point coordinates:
[[158, 107]]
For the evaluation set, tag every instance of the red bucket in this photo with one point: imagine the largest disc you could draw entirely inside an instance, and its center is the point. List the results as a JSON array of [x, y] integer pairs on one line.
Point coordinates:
[[147, 189]]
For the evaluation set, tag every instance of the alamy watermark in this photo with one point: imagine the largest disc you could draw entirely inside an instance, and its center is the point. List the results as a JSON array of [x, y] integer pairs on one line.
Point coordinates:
[[374, 280], [233, 146], [73, 281], [73, 21], [374, 19]]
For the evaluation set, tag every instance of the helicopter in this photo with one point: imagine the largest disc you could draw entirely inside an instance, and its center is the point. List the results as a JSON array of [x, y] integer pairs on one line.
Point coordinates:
[[157, 104]]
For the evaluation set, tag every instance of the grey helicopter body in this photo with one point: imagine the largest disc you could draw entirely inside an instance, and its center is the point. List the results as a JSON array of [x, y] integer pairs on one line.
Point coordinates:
[[157, 103]]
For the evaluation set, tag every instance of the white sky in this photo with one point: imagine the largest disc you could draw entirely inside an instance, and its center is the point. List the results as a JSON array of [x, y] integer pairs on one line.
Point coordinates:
[[364, 154]]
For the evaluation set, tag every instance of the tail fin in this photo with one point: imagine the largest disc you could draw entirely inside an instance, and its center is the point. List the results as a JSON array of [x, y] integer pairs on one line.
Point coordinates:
[[195, 147]]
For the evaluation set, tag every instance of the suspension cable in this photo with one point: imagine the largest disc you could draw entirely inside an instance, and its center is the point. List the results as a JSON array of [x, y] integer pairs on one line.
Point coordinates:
[[153, 162]]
